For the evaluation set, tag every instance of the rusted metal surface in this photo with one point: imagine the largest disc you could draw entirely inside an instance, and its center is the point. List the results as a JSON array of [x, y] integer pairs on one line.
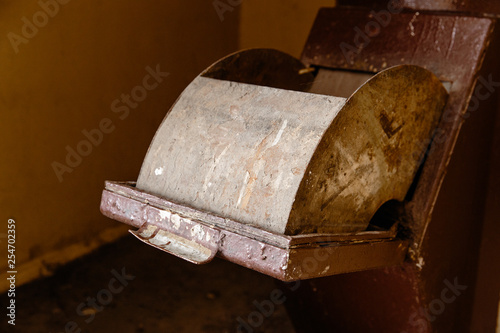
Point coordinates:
[[246, 152], [386, 119], [451, 47], [287, 258], [122, 210], [338, 83], [370, 153]]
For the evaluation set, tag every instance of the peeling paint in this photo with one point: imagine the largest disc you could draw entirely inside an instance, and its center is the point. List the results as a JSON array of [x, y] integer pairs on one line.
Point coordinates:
[[149, 231], [410, 25], [280, 132], [159, 171]]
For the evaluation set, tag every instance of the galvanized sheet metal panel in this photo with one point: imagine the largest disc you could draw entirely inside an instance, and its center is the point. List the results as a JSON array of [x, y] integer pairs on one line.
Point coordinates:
[[237, 150]]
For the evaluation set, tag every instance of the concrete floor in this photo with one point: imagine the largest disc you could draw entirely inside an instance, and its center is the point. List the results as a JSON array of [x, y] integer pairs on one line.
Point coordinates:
[[160, 293]]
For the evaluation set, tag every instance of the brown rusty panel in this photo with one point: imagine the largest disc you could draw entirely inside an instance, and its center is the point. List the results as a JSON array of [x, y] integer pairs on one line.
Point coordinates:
[[382, 300], [249, 145], [199, 241], [308, 239], [338, 82], [471, 6], [200, 247], [452, 47], [370, 153], [438, 43], [115, 199], [316, 262], [313, 262], [449, 245]]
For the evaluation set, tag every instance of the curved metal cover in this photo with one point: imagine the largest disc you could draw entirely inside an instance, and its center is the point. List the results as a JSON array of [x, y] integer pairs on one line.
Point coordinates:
[[292, 162]]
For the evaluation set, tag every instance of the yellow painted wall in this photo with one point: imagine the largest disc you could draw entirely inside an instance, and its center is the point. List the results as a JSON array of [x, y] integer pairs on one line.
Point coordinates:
[[60, 79], [278, 24], [60, 76]]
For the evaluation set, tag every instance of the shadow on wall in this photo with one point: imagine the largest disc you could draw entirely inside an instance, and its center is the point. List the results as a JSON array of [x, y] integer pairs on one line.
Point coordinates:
[[85, 84]]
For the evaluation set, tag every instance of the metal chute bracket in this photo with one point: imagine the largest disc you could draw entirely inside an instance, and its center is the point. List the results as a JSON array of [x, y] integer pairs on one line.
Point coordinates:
[[198, 236]]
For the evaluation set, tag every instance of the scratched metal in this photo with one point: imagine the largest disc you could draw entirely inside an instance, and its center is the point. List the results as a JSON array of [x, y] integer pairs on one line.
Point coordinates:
[[452, 47], [479, 7], [445, 228], [191, 248], [236, 149]]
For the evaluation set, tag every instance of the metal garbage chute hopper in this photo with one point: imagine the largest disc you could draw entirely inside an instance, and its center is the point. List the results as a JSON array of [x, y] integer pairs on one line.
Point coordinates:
[[281, 167]]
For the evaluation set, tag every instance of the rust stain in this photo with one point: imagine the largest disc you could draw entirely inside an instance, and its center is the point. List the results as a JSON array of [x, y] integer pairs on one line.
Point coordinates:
[[389, 126]]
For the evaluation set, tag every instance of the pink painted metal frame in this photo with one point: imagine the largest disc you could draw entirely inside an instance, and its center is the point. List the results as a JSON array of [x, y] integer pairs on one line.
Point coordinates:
[[287, 258]]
